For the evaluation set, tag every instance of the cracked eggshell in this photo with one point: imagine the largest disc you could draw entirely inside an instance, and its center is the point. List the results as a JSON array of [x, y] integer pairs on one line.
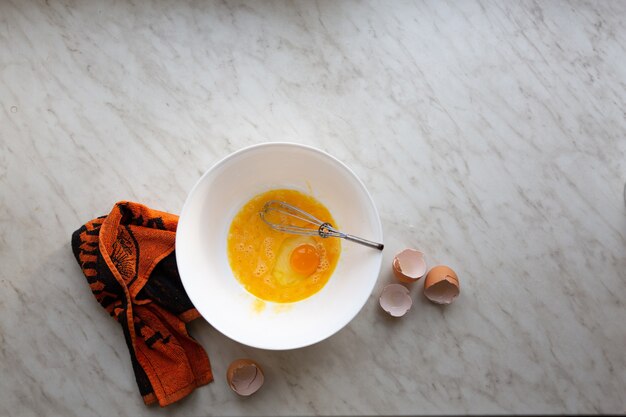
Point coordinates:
[[409, 265], [395, 300], [245, 376], [441, 285]]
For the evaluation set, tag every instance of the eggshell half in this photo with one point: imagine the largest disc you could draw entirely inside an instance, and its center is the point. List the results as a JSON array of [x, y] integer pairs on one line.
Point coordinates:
[[245, 376], [441, 285], [395, 300], [409, 265]]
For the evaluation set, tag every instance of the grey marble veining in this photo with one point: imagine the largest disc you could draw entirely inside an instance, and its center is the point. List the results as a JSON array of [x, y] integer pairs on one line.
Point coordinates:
[[491, 135]]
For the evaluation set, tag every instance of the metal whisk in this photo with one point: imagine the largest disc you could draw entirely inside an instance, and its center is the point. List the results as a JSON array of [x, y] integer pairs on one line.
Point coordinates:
[[313, 226]]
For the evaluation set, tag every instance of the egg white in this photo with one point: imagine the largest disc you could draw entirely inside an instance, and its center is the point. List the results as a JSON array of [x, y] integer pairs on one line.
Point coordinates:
[[282, 272]]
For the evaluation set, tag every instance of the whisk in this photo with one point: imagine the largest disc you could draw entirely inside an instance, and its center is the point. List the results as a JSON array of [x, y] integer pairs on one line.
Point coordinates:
[[313, 226]]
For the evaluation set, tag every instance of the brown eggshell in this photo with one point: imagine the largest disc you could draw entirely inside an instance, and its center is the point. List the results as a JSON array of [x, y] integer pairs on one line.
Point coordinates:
[[441, 285], [395, 300], [409, 265], [245, 376]]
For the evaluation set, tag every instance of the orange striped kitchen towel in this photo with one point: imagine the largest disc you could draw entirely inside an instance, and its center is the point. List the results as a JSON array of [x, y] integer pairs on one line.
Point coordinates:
[[129, 261]]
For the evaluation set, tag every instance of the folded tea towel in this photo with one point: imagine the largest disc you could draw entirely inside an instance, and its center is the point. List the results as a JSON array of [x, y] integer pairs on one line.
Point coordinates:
[[129, 261]]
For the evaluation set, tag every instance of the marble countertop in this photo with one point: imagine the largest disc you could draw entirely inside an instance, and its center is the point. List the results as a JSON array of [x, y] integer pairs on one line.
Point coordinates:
[[491, 135]]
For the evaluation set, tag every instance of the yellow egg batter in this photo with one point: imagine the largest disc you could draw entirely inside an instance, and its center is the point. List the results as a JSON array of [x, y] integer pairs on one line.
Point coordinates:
[[276, 266]]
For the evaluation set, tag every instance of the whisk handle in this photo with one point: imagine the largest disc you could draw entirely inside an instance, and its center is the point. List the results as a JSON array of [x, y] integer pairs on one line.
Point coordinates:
[[364, 242]]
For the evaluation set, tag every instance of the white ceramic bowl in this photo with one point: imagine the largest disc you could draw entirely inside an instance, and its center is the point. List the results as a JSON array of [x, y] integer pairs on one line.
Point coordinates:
[[203, 262]]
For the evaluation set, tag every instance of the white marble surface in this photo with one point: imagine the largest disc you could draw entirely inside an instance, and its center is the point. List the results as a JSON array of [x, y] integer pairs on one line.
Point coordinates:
[[490, 134]]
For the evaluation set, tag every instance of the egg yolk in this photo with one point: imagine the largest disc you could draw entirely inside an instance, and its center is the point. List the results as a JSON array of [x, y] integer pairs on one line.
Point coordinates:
[[304, 259]]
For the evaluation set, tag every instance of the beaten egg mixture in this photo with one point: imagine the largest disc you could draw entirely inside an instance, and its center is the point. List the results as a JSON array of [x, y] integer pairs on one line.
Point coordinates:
[[276, 266]]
